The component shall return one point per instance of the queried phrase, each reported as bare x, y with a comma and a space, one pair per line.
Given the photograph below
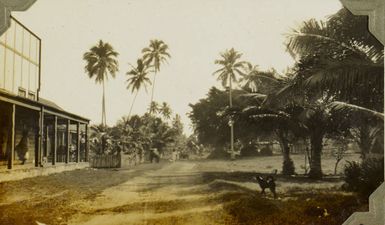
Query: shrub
266, 151
288, 167
352, 175
364, 177
249, 150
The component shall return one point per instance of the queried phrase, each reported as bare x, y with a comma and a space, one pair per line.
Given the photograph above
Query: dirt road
167, 194
183, 193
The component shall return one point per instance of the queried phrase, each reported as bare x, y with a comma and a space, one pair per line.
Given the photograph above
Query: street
184, 192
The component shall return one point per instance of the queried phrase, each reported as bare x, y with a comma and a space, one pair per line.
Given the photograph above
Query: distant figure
22, 148
174, 155
154, 155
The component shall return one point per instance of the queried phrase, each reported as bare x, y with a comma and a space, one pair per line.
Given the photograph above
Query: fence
105, 161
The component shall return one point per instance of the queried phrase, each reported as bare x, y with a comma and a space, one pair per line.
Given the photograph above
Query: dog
267, 182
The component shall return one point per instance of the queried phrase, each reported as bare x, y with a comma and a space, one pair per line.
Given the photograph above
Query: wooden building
34, 131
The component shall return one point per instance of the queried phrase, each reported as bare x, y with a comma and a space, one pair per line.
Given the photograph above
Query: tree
210, 122
137, 79
165, 110
230, 68
282, 123
333, 63
349, 60
155, 55
101, 60
154, 108
258, 81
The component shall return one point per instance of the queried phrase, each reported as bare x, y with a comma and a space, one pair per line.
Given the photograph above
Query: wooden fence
105, 161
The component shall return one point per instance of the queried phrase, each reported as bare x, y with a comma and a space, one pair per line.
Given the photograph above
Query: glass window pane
26, 43
17, 75
11, 34
25, 74
32, 78
33, 49
38, 51
9, 70
37, 78
19, 38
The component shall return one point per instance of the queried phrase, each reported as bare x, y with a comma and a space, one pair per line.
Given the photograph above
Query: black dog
266, 182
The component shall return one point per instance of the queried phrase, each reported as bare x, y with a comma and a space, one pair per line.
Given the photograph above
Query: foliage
364, 177
288, 167
137, 134
230, 67
210, 122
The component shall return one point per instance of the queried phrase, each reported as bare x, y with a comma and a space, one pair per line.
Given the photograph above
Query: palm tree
137, 79
230, 68
100, 60
155, 55
154, 108
282, 123
334, 63
263, 82
348, 63
165, 110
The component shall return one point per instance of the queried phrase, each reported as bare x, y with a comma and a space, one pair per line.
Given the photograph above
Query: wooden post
68, 141
12, 149
46, 142
78, 142
86, 144
54, 141
39, 159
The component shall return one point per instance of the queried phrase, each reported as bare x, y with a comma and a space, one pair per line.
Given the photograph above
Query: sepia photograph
182, 112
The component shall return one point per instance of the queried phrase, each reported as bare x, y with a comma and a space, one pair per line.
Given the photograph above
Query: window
31, 95
22, 92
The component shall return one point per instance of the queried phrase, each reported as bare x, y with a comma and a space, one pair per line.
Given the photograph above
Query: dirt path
167, 194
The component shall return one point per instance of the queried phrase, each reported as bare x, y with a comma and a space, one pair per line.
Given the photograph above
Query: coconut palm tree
333, 63
348, 63
137, 79
154, 108
155, 55
165, 110
101, 60
231, 66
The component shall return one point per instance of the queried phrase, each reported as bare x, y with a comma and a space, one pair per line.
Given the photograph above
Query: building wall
19, 61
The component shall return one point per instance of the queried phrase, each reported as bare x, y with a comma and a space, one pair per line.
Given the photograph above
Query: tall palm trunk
153, 88
231, 124
316, 139
364, 140
132, 104
288, 164
104, 121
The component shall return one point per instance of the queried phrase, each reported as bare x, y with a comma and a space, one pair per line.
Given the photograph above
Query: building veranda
34, 132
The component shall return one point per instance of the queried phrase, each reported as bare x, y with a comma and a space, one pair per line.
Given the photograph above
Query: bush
219, 153
288, 167
249, 150
364, 178
266, 151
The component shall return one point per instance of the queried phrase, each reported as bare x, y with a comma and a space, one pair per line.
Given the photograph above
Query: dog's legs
272, 189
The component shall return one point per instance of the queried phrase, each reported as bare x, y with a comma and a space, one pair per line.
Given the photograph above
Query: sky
195, 31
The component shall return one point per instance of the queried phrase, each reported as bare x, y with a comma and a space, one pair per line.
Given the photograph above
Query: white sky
196, 32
